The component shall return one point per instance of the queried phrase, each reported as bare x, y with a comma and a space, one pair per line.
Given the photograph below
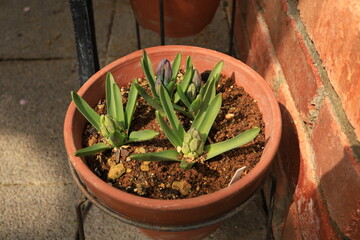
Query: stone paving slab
37, 211
34, 97
44, 29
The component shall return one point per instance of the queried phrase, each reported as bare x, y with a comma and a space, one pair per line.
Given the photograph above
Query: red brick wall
308, 51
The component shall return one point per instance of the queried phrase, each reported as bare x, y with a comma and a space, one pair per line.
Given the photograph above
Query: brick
240, 33
336, 168
337, 20
261, 56
293, 55
253, 41
296, 153
291, 228
313, 216
249, 11
289, 140
294, 142
283, 197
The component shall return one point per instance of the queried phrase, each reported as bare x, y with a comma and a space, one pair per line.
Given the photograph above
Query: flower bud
103, 129
193, 146
196, 80
111, 130
191, 92
164, 72
195, 133
158, 84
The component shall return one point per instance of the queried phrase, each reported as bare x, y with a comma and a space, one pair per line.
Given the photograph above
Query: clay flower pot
184, 211
182, 18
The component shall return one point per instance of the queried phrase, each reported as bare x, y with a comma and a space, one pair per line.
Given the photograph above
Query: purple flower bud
163, 71
197, 80
160, 68
168, 73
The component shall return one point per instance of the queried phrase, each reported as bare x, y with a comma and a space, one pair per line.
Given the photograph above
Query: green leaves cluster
186, 153
187, 95
115, 125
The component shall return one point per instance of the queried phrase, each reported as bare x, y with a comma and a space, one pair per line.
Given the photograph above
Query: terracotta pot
182, 18
186, 211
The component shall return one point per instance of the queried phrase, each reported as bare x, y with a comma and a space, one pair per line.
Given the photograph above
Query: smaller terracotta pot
182, 18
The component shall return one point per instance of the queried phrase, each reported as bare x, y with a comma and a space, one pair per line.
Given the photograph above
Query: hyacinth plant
166, 76
115, 125
190, 145
187, 88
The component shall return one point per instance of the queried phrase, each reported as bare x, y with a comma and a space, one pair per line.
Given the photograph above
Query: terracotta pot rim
143, 202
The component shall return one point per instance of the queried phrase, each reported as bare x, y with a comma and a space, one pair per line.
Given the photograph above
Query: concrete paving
38, 69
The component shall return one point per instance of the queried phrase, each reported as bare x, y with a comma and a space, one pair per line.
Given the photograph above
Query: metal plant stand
83, 20
87, 199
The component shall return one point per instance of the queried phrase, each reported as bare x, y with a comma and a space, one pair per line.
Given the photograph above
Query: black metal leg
162, 30
138, 38
82, 208
232, 26
83, 20
269, 209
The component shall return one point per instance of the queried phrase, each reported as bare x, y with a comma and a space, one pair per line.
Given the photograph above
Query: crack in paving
36, 184
35, 59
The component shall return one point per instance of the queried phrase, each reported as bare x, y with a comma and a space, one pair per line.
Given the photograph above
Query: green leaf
195, 105
144, 135
186, 165
183, 98
218, 148
170, 88
111, 109
185, 83
99, 147
151, 101
170, 113
209, 117
131, 104
213, 89
181, 110
148, 71
167, 155
189, 63
173, 138
204, 105
114, 100
86, 110
216, 79
176, 66
216, 71
208, 88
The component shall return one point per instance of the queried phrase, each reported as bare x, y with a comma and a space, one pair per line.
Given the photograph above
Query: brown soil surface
239, 112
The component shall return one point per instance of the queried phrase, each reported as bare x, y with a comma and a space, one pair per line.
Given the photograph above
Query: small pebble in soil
116, 171
229, 115
144, 167
182, 186
111, 161
140, 150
